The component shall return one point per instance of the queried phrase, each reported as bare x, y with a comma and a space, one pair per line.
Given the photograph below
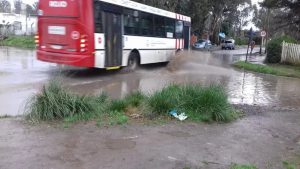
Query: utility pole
250, 40
268, 28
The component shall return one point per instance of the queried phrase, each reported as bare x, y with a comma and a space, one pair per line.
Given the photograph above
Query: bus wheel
133, 63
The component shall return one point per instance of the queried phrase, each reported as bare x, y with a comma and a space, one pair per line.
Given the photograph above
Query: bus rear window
58, 8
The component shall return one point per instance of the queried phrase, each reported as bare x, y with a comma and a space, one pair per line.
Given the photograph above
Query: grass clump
199, 103
238, 166
20, 41
55, 103
288, 165
274, 69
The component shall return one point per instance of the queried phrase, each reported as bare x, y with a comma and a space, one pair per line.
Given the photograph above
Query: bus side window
159, 26
179, 29
169, 28
131, 22
98, 18
147, 24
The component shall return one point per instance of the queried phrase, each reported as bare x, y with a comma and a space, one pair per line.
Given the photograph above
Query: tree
35, 7
208, 15
5, 6
18, 6
283, 15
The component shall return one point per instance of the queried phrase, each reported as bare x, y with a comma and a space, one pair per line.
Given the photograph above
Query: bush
241, 41
274, 48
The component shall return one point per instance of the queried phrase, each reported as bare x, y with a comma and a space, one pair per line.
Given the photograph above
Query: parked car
228, 44
202, 44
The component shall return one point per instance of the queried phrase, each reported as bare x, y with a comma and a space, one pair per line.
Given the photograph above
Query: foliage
5, 6
208, 15
274, 48
20, 41
283, 15
274, 69
241, 41
237, 166
200, 104
18, 6
288, 165
54, 103
32, 9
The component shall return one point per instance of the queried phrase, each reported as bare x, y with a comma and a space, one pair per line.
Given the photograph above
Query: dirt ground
264, 137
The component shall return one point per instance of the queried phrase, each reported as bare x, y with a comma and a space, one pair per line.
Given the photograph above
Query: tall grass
55, 103
199, 103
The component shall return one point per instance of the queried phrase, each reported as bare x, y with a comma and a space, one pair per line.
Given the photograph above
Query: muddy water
21, 75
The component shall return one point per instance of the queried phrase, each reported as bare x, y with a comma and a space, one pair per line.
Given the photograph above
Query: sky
252, 24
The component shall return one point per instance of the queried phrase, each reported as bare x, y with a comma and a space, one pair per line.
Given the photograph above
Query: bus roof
146, 8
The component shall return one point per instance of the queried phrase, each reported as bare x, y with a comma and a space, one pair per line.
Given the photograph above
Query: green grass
274, 69
209, 104
20, 41
288, 165
238, 166
55, 103
199, 103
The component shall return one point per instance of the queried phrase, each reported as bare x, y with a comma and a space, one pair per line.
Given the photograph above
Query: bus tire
133, 63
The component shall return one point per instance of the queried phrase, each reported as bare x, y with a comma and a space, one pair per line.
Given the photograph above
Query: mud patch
177, 134
297, 140
120, 144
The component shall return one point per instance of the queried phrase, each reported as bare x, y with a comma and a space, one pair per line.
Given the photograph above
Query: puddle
26, 76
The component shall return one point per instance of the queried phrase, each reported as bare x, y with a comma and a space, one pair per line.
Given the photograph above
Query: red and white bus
108, 33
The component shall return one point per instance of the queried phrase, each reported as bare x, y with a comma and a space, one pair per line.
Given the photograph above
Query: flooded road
265, 139
21, 75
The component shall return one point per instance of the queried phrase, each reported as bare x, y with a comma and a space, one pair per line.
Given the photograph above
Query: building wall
17, 24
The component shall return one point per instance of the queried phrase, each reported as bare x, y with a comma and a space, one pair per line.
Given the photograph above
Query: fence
290, 53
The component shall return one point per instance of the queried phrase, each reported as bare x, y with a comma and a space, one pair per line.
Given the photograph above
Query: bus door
186, 35
113, 39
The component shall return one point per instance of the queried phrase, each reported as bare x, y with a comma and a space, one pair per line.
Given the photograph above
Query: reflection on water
22, 75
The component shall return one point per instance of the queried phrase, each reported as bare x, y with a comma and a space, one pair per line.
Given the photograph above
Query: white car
202, 44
